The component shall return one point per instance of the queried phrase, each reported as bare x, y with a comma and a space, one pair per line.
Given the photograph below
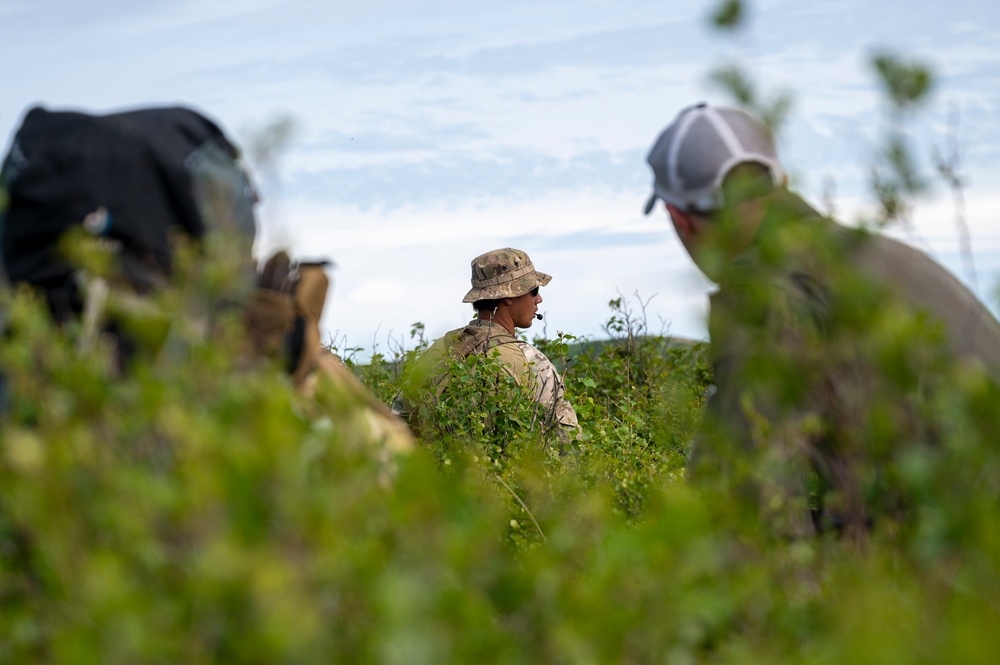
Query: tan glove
282, 319
309, 297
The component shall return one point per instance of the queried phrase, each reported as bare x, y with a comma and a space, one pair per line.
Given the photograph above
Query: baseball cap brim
650, 203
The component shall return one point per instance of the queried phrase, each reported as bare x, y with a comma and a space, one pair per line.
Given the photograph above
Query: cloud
594, 239
414, 136
432, 131
400, 55
8, 9
455, 179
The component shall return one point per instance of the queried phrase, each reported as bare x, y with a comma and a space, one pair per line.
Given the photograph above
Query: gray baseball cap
693, 155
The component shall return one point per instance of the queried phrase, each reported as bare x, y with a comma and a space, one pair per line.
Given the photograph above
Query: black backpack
131, 177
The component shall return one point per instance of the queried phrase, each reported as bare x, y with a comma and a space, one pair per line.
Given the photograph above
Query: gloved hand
282, 319
309, 296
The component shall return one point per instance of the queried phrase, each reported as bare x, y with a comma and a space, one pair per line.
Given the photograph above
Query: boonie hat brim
509, 289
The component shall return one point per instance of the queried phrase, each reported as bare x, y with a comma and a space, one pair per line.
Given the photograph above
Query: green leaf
906, 83
728, 15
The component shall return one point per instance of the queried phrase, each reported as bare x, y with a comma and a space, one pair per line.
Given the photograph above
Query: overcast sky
429, 131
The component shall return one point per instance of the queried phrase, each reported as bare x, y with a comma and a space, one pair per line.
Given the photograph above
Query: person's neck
498, 317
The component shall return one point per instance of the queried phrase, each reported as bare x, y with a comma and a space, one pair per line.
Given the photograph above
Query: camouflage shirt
528, 366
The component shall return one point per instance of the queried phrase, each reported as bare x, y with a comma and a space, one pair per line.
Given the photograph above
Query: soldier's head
712, 167
99, 207
134, 182
505, 287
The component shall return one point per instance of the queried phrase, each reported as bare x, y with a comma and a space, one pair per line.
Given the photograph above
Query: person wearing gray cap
826, 341
505, 295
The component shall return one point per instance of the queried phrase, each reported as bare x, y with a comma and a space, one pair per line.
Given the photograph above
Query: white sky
429, 131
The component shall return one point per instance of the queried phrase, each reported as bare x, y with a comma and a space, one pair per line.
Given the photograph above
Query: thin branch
514, 494
950, 168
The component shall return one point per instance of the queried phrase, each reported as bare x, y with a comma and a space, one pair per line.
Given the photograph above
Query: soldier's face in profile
523, 308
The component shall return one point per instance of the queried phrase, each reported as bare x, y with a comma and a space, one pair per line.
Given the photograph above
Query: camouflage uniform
504, 273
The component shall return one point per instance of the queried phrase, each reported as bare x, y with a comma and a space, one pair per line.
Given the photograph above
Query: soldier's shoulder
512, 358
526, 358
533, 355
513, 348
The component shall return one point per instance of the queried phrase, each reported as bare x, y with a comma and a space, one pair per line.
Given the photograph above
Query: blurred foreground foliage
197, 510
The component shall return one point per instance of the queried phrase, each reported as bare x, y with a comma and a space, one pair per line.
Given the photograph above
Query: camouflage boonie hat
503, 273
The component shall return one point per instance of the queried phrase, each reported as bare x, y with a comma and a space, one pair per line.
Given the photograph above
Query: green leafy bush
199, 510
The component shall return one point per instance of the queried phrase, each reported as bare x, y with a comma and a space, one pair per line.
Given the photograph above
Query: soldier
505, 296
138, 185
827, 342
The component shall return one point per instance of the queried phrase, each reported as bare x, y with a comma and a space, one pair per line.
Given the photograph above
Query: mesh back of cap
750, 133
700, 153
693, 155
